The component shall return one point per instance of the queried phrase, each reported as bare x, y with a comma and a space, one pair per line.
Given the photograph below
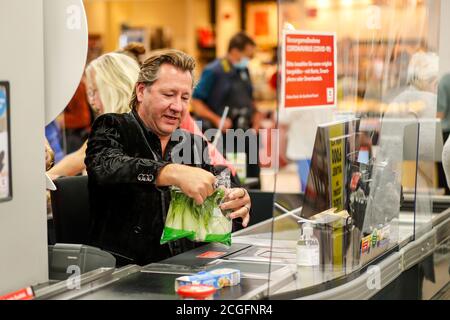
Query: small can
196, 292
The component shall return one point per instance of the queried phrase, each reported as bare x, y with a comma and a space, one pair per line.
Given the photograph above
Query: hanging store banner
308, 70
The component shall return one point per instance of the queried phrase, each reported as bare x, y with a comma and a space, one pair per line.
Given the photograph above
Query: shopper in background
135, 50
77, 119
110, 78
129, 162
420, 98
226, 82
422, 80
416, 104
443, 113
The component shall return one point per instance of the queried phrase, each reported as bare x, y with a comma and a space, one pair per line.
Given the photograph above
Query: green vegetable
200, 223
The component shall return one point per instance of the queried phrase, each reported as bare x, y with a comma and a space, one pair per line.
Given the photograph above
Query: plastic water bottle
308, 247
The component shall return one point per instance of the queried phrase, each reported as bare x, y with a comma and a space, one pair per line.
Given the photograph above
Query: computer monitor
5, 148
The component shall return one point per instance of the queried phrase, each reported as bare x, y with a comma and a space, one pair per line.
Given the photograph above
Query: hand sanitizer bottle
307, 247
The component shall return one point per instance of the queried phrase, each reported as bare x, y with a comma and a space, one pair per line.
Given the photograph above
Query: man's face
249, 51
163, 105
236, 55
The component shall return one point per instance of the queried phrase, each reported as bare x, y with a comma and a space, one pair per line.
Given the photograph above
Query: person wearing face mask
226, 82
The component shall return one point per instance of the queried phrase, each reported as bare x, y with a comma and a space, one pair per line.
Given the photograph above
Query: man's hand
239, 201
196, 183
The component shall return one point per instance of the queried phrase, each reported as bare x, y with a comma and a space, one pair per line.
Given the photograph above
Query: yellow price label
337, 156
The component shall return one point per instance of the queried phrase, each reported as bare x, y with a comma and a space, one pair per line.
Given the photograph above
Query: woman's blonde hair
115, 77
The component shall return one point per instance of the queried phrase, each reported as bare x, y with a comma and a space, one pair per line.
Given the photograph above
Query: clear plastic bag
199, 223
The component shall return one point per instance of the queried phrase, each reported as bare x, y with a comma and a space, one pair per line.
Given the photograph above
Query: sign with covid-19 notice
308, 69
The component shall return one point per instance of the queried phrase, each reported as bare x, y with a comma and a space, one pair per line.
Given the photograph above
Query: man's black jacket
128, 211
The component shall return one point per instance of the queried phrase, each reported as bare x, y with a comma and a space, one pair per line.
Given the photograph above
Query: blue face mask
242, 64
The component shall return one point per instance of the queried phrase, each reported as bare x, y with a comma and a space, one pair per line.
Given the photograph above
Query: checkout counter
414, 268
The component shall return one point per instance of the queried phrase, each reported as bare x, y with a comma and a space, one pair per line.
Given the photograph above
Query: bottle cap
307, 229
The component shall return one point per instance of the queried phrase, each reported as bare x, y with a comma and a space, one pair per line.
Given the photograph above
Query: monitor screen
5, 154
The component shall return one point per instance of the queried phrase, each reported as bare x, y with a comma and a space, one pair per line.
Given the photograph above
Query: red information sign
22, 294
309, 69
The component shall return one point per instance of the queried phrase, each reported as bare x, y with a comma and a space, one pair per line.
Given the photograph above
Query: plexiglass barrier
371, 161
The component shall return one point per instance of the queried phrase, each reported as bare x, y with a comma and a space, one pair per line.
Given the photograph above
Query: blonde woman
110, 80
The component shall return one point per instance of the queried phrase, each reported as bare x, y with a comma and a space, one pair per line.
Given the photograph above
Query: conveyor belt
134, 282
